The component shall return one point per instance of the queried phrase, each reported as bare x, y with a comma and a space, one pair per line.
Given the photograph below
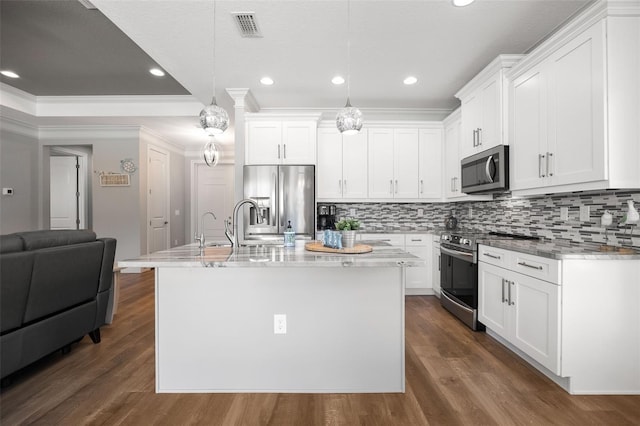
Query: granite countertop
401, 231
270, 255
561, 249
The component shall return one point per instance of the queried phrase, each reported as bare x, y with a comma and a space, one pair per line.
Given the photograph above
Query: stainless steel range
459, 272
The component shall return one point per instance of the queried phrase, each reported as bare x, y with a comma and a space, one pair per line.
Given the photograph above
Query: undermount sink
218, 245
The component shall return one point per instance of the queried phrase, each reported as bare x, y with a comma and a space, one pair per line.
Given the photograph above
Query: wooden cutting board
356, 249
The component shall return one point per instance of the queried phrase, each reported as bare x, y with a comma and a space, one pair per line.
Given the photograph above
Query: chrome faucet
200, 238
234, 236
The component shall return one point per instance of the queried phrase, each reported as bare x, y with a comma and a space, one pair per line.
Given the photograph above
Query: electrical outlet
470, 212
564, 213
352, 212
177, 212
279, 324
420, 212
7, 191
585, 214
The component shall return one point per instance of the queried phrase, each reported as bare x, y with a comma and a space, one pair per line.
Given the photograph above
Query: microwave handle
487, 168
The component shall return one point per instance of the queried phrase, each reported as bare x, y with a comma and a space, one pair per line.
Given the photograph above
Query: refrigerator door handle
281, 200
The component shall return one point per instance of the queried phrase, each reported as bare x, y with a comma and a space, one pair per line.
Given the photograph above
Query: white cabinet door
263, 142
298, 142
528, 127
419, 277
535, 306
354, 165
471, 122
452, 184
406, 159
490, 133
380, 163
329, 170
577, 110
493, 308
430, 167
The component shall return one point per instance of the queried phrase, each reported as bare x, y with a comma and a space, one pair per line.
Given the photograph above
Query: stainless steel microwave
486, 171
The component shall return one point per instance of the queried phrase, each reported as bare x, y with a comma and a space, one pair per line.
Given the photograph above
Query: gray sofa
55, 287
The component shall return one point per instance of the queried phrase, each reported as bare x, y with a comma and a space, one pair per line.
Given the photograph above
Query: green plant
347, 224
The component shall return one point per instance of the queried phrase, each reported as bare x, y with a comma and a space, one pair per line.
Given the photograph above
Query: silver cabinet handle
455, 184
285, 151
340, 186
474, 137
549, 165
491, 256
344, 185
540, 158
509, 284
438, 262
503, 299
396, 186
487, 168
479, 136
278, 151
539, 268
421, 186
390, 186
415, 240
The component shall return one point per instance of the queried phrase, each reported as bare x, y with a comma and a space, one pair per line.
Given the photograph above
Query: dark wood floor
454, 376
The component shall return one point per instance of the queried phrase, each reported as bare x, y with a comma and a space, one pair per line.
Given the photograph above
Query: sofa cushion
15, 277
11, 243
35, 240
63, 277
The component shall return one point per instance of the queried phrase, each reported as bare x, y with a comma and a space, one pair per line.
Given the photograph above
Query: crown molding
454, 116
117, 106
396, 124
18, 127
501, 62
18, 99
243, 98
158, 140
300, 115
395, 114
87, 132
580, 23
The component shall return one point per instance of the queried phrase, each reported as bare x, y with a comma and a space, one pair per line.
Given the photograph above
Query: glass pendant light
349, 119
211, 153
214, 119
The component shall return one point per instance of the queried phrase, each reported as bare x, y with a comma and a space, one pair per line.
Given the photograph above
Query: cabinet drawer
418, 239
493, 256
536, 266
396, 240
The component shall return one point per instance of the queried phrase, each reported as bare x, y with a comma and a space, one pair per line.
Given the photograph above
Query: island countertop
269, 255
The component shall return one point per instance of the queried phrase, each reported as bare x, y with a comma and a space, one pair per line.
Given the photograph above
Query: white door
158, 201
298, 142
264, 142
214, 188
64, 193
381, 163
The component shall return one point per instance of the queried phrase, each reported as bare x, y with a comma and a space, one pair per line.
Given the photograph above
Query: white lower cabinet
418, 278
523, 310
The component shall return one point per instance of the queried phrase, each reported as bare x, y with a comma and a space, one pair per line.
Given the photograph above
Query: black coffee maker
326, 216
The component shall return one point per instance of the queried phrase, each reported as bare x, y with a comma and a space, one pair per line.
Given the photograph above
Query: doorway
158, 200
68, 188
214, 192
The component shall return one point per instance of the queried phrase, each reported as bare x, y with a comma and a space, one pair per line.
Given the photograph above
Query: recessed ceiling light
461, 3
157, 72
337, 80
410, 80
9, 74
267, 81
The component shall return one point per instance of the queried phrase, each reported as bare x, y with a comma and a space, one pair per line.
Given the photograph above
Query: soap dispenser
289, 236
632, 214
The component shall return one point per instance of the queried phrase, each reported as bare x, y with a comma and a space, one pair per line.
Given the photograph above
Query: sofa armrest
108, 257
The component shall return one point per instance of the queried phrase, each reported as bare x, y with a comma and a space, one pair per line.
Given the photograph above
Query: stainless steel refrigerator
284, 194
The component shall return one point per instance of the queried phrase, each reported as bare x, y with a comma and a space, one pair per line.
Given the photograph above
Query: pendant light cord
213, 99
348, 50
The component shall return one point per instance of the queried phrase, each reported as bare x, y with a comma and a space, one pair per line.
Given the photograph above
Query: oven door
459, 276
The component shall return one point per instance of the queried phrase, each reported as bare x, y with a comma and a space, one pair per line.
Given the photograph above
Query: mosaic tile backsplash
539, 216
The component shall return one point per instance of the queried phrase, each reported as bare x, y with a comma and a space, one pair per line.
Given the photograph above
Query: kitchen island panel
215, 329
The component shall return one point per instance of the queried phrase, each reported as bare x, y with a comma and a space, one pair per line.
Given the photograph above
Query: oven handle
458, 254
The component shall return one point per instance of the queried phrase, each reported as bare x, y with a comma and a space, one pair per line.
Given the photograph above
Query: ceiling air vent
247, 24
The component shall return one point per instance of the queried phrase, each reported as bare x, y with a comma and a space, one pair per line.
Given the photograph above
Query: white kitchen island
215, 327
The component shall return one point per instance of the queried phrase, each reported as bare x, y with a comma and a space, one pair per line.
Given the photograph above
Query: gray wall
19, 169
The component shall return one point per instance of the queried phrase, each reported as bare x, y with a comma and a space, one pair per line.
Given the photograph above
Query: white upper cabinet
393, 163
558, 116
574, 108
484, 109
342, 165
430, 167
280, 141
